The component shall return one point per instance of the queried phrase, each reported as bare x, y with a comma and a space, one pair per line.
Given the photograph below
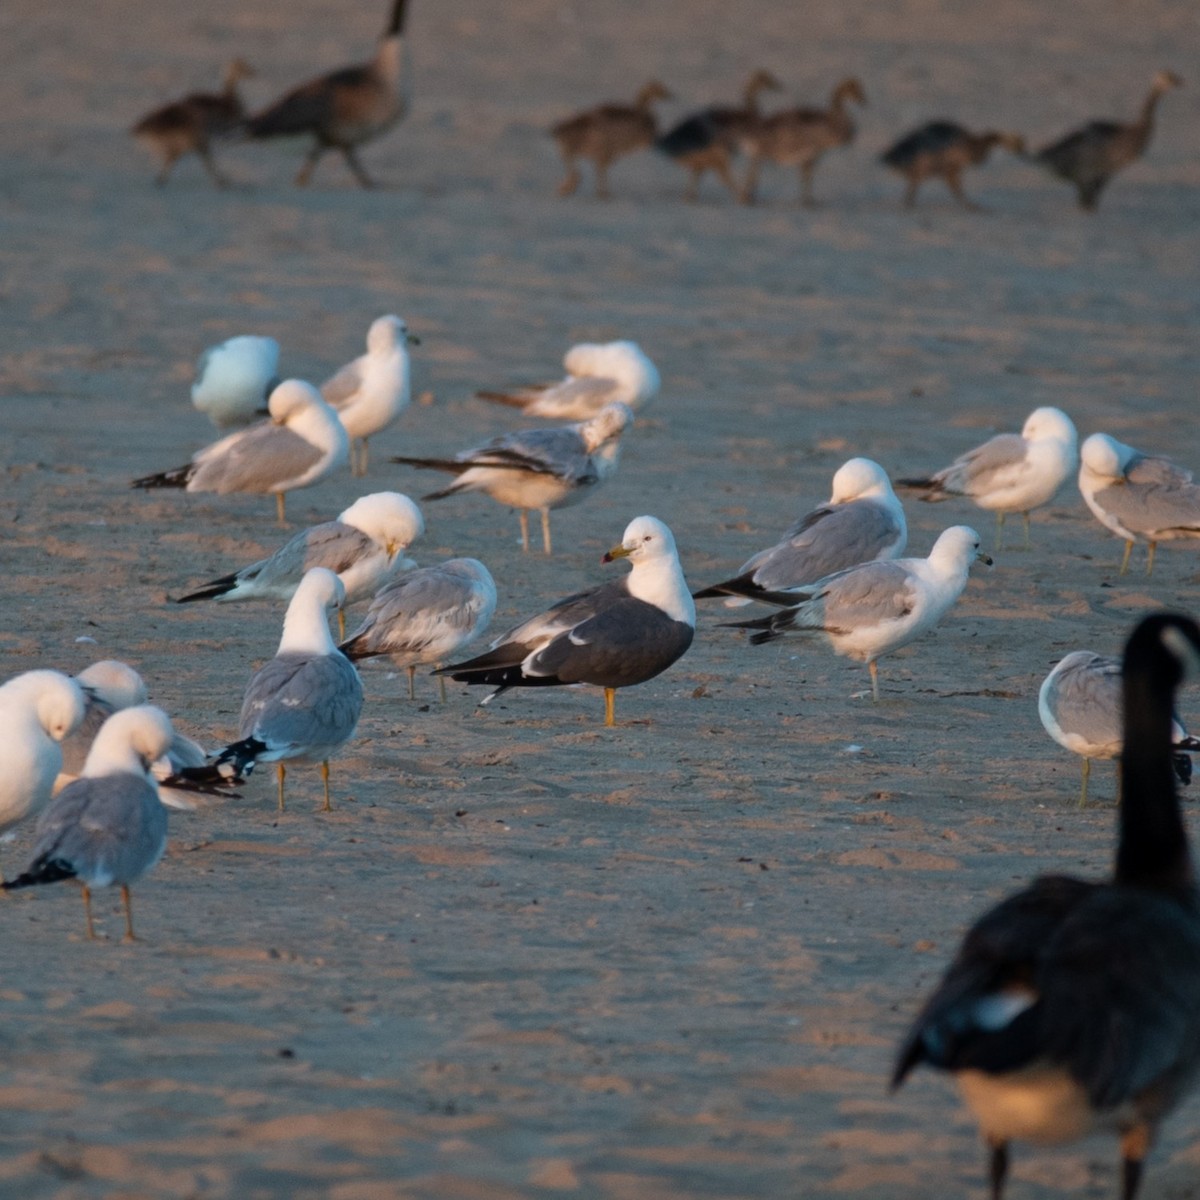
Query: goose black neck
1152, 850
396, 24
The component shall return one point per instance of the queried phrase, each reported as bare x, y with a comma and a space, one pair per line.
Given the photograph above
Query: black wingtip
177, 477
210, 591
45, 870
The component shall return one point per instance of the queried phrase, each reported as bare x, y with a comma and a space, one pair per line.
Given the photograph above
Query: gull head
115, 683
622, 361
1105, 456
130, 740
291, 398
645, 539
609, 423
1049, 424
319, 587
959, 546
388, 332
390, 518
56, 700
858, 477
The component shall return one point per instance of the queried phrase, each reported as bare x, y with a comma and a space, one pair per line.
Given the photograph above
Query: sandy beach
528, 956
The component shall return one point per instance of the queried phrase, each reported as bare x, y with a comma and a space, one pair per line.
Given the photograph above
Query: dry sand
528, 956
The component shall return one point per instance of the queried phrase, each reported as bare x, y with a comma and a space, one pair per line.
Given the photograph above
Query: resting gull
1079, 703
426, 616
614, 636
870, 610
1140, 497
305, 703
109, 826
1012, 472
537, 468
301, 443
235, 378
370, 392
862, 522
597, 374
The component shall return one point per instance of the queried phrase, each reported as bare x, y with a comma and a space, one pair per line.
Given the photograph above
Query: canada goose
706, 140
605, 133
942, 148
346, 108
1089, 157
797, 137
1071, 1006
187, 126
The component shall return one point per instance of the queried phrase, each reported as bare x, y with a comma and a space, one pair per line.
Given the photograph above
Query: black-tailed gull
597, 374
109, 826
301, 443
234, 380
426, 616
870, 610
1140, 497
1012, 472
862, 522
537, 468
371, 391
1070, 1007
613, 636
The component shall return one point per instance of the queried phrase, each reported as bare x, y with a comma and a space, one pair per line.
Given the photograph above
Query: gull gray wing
75, 746
864, 595
419, 611
1153, 508
575, 398
988, 466
261, 459
1084, 697
298, 702
331, 544
343, 384
564, 615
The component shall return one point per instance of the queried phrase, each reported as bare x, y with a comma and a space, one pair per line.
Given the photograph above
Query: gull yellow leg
1087, 770
524, 516
412, 682
610, 706
364, 457
546, 530
1125, 558
442, 685
1000, 531
325, 780
871, 666
281, 508
87, 912
281, 772
130, 936
341, 624
1150, 558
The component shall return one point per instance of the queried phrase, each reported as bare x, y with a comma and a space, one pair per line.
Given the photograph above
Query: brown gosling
707, 140
345, 108
605, 133
942, 149
798, 137
188, 125
1089, 157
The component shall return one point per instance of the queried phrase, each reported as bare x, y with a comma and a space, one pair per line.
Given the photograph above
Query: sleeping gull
37, 711
234, 379
870, 610
862, 522
370, 392
1079, 703
1012, 472
363, 547
537, 468
301, 443
109, 826
613, 636
305, 703
1140, 497
597, 374
426, 616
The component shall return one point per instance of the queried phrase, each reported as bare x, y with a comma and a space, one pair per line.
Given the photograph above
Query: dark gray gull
426, 616
1070, 1007
234, 380
537, 468
1079, 703
109, 826
613, 636
301, 443
1140, 497
862, 522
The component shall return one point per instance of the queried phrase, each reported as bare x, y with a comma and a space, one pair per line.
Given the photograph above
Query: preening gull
1140, 497
234, 380
614, 636
370, 392
537, 468
1012, 472
38, 709
1079, 703
364, 547
862, 522
305, 703
426, 616
597, 374
870, 610
109, 826
301, 443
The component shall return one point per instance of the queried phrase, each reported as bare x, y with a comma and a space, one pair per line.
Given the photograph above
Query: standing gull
426, 616
301, 444
1012, 472
38, 710
109, 826
1070, 1007
370, 392
537, 468
305, 703
234, 380
870, 610
1079, 703
597, 374
1140, 497
862, 522
614, 636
